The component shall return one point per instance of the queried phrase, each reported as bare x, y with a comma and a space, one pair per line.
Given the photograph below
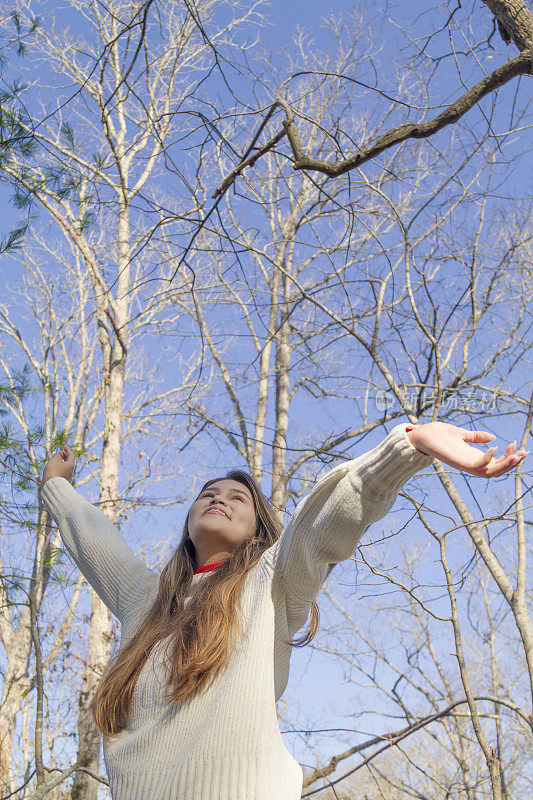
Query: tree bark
516, 19
282, 399
84, 786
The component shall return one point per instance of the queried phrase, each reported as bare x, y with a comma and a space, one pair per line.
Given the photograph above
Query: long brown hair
203, 632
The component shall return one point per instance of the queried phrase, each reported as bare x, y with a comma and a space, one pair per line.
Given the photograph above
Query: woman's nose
218, 498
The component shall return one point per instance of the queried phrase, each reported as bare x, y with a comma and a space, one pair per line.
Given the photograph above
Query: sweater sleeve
327, 525
97, 548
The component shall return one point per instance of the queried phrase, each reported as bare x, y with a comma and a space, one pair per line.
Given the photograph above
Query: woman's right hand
61, 465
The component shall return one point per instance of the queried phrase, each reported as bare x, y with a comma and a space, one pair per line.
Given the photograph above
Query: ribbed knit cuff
388, 466
58, 494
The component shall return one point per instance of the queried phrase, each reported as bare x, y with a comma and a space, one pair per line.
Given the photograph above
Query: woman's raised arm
327, 525
94, 543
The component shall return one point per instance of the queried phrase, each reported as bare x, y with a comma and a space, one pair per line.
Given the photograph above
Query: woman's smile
216, 511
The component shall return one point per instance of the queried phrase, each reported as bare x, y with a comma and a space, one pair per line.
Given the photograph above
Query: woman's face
220, 518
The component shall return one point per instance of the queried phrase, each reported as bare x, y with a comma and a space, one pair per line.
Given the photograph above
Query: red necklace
207, 567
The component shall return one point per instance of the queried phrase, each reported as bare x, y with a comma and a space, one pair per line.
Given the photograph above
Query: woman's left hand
449, 444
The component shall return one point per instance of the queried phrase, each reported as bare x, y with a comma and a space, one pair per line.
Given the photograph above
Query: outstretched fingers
490, 465
506, 462
457, 447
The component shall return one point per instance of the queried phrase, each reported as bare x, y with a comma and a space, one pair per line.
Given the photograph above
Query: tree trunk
84, 786
16, 685
18, 646
282, 399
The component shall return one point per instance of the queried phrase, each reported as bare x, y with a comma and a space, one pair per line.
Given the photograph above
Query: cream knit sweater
226, 744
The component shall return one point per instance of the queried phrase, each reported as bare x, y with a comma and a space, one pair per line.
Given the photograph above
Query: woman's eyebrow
241, 491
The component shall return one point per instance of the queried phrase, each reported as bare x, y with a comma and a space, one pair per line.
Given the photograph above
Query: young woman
187, 704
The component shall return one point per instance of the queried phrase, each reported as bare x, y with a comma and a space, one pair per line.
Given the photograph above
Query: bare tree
95, 177
60, 349
327, 310
512, 19
465, 381
286, 237
420, 315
